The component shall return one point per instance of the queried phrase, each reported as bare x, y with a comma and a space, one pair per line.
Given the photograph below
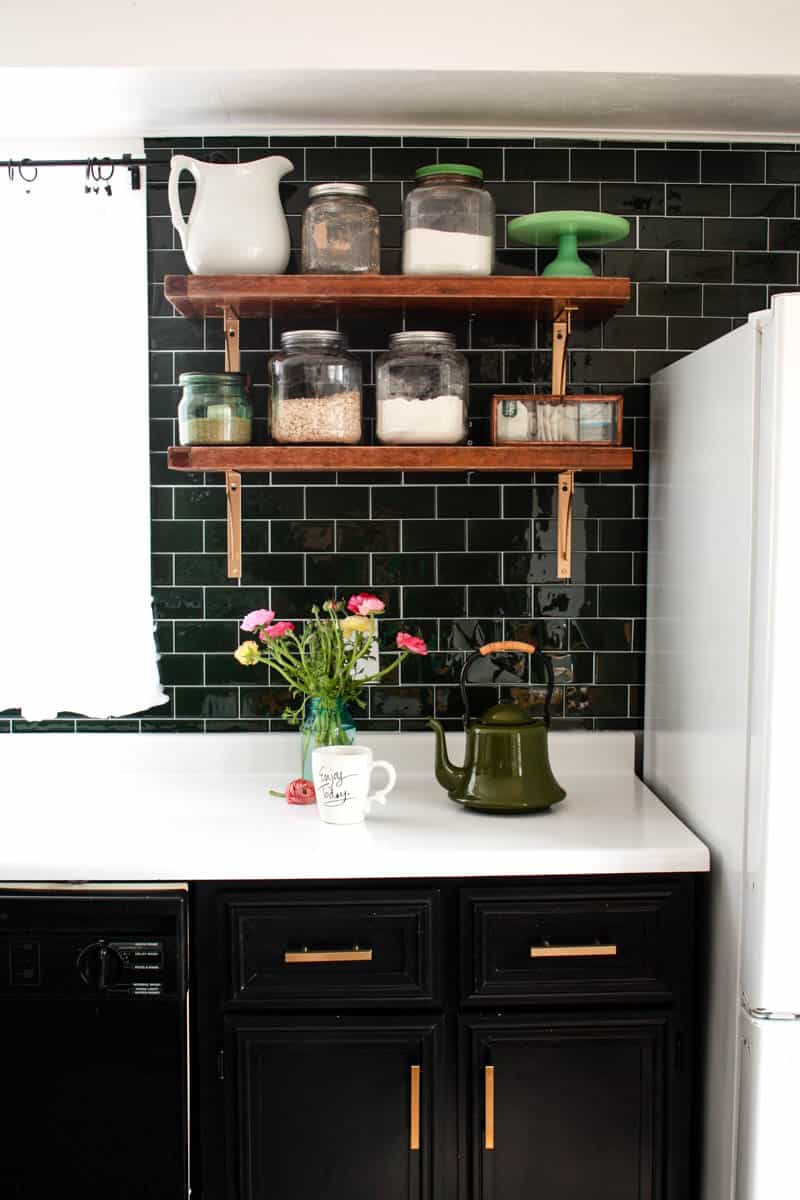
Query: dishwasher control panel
143, 966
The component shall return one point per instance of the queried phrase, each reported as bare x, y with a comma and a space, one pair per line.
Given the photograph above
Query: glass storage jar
422, 385
341, 231
214, 410
448, 223
315, 389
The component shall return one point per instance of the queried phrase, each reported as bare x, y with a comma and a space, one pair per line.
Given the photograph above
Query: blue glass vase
324, 724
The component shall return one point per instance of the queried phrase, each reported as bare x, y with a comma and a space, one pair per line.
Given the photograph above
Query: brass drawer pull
488, 1108
356, 954
413, 1140
595, 950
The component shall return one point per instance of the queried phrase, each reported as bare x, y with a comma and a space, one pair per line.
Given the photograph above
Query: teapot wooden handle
494, 647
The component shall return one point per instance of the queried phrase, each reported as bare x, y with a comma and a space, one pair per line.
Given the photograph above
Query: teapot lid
506, 714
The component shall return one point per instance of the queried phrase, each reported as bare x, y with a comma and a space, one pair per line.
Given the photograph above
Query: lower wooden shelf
400, 458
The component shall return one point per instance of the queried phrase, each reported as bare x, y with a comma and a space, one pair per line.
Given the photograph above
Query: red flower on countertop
413, 645
365, 605
301, 791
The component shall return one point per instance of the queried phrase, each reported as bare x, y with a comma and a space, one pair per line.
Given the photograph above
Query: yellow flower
247, 654
351, 625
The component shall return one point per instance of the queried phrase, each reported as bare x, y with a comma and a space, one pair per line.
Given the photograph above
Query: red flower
301, 791
413, 645
279, 629
365, 605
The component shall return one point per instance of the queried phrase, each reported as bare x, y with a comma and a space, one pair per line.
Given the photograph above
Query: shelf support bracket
230, 323
562, 327
566, 492
233, 497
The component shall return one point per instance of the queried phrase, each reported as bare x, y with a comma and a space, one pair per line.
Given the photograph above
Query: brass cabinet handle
413, 1140
488, 1108
595, 950
356, 954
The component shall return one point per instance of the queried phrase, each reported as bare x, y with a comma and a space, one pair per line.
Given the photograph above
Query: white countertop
125, 807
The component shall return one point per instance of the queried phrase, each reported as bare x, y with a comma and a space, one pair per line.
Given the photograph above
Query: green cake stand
568, 231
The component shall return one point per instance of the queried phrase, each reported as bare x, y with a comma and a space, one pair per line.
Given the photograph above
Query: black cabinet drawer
302, 949
601, 943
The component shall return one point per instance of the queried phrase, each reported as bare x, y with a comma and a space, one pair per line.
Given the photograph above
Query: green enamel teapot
506, 767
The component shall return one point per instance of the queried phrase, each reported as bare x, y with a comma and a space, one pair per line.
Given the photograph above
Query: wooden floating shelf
595, 297
400, 458
235, 297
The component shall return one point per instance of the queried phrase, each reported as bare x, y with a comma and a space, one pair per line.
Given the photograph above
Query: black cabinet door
564, 1108
333, 1108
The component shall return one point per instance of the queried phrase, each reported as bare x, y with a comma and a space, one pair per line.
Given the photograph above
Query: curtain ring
97, 167
24, 162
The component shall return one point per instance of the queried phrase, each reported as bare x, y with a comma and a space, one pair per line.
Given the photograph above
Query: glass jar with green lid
214, 410
448, 222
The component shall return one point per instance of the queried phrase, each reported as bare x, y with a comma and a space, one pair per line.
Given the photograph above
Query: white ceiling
51, 102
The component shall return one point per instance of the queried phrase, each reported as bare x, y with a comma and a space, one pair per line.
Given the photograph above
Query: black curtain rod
132, 164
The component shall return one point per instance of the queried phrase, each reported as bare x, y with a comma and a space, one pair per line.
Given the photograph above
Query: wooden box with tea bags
569, 420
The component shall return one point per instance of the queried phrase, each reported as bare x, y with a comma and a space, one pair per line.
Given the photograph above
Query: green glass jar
214, 410
324, 724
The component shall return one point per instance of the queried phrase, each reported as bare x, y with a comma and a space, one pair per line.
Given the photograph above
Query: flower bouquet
319, 664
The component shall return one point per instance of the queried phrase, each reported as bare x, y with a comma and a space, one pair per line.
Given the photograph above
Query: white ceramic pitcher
236, 225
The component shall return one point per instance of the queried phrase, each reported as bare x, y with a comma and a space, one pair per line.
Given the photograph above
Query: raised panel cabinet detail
576, 1107
536, 946
334, 1107
305, 951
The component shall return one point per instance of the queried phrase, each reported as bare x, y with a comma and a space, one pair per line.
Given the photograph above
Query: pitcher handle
178, 164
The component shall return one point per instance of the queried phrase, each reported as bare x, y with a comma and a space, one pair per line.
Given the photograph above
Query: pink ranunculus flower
259, 616
365, 605
301, 791
413, 645
279, 629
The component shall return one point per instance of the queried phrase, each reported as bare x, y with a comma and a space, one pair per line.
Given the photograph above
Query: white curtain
76, 624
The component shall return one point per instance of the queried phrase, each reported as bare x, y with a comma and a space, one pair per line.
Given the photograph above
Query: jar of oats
315, 389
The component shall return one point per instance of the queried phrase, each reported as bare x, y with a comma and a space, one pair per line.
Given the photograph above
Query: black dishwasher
93, 1045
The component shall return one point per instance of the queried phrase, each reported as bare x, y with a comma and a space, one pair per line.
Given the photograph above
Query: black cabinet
434, 1040
336, 1106
565, 1107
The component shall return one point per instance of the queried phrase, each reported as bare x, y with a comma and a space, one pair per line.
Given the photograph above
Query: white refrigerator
722, 718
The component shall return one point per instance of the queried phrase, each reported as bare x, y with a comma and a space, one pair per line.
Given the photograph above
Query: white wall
710, 37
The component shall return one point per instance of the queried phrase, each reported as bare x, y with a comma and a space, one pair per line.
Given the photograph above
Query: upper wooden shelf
247, 296
400, 458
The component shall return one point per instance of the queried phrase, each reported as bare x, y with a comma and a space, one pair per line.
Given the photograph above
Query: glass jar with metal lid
341, 231
315, 389
214, 410
448, 223
422, 383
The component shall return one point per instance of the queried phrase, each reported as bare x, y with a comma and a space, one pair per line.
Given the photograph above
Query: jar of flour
448, 223
421, 390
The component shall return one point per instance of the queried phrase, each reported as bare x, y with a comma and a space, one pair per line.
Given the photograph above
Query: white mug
341, 781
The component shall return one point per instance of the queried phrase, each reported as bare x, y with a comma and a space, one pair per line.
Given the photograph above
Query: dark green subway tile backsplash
459, 559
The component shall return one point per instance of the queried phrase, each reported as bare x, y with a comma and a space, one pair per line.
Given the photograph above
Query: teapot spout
448, 776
